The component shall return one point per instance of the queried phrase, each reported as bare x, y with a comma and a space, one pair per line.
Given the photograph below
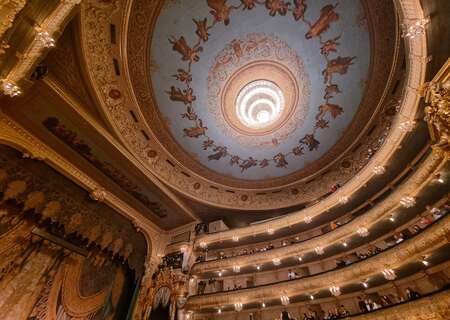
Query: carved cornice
34, 52
12, 134
383, 210
426, 242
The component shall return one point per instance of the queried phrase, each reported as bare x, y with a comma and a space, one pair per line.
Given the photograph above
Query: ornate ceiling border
99, 53
426, 242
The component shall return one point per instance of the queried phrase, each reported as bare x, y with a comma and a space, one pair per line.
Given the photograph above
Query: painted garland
222, 13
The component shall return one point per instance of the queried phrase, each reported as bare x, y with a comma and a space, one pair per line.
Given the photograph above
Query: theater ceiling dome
241, 96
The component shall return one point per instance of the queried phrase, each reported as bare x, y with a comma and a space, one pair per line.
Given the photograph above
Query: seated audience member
362, 305
340, 263
291, 275
411, 294
385, 300
285, 315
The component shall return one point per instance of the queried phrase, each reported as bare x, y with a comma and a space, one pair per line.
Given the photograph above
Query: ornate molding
426, 242
8, 12
52, 25
437, 111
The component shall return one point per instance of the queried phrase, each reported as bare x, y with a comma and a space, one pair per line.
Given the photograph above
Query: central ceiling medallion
259, 98
259, 104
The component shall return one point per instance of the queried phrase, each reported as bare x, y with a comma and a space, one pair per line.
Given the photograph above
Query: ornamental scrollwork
437, 112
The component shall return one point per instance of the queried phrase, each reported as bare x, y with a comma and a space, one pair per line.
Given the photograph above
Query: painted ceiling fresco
316, 52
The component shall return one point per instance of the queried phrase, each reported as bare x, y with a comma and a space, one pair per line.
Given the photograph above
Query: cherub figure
280, 160
220, 152
310, 141
234, 160
299, 10
333, 109
330, 90
202, 29
329, 46
190, 114
277, 6
220, 11
264, 163
185, 96
188, 54
183, 76
248, 4
195, 132
246, 164
339, 66
327, 15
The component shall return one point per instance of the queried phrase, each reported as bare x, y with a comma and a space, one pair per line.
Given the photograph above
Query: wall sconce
319, 250
408, 201
10, 89
343, 200
236, 269
335, 291
379, 170
284, 300
389, 274
238, 306
362, 232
